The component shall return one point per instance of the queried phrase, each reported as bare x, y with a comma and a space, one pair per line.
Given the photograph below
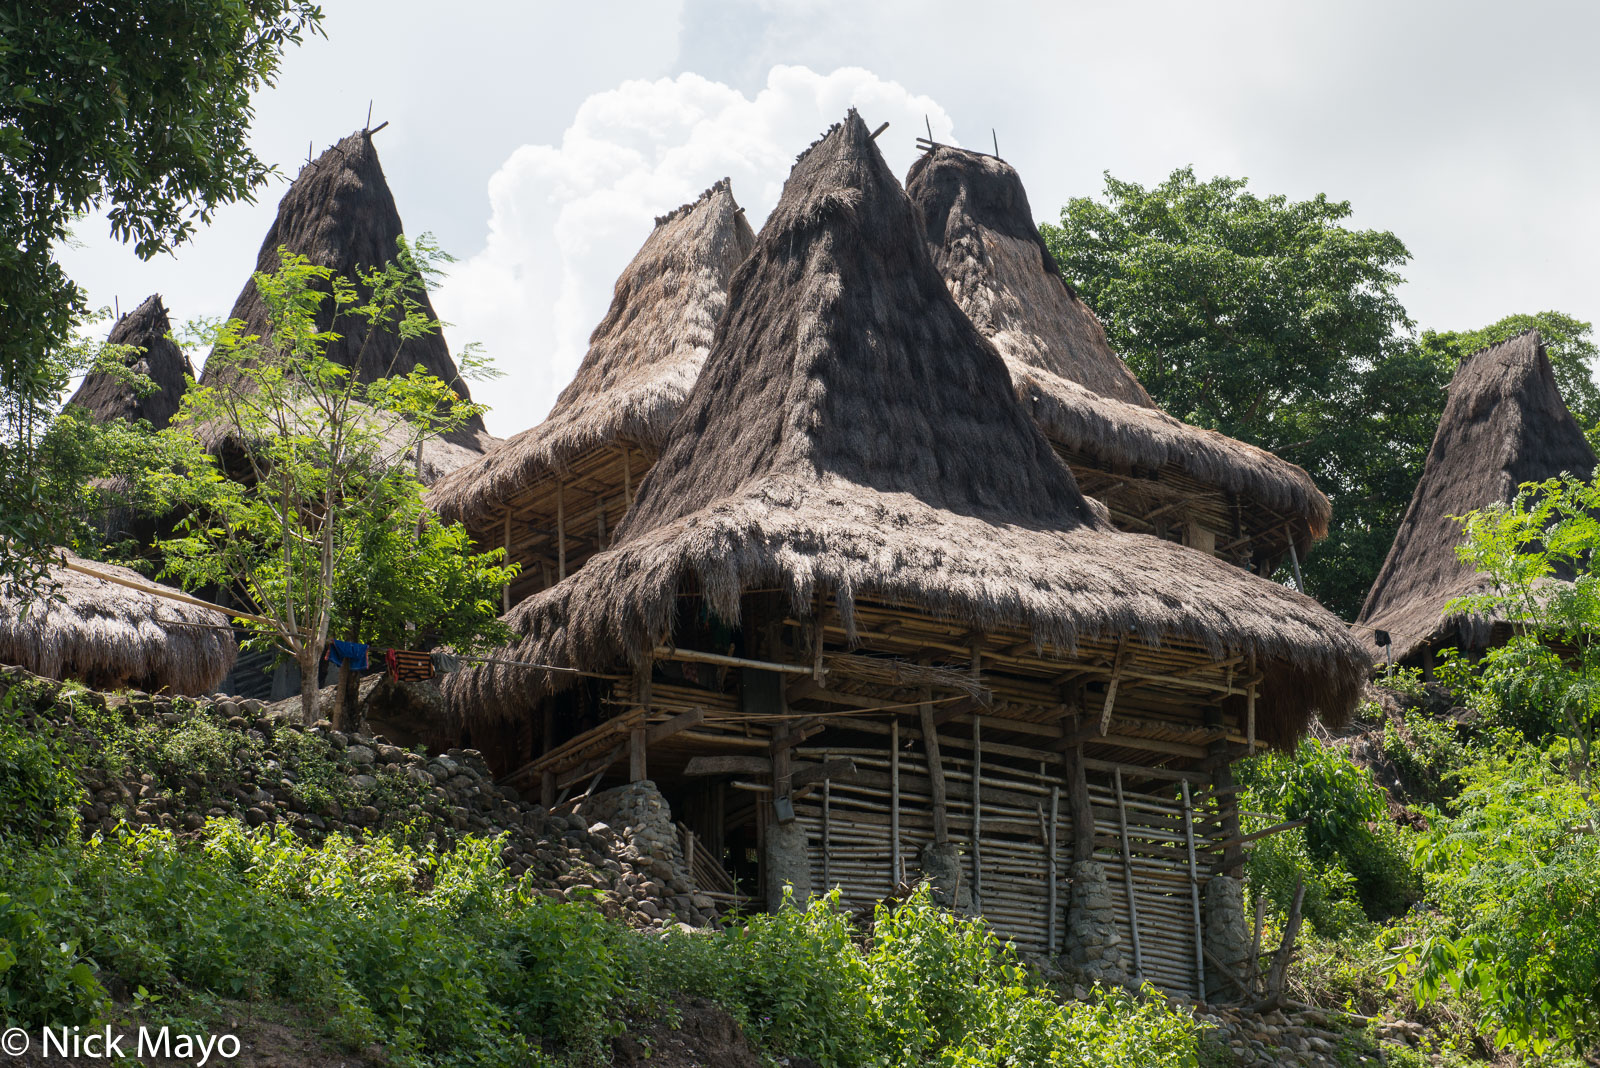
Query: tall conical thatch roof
851, 431
339, 213
981, 233
109, 636
1504, 424
643, 358
157, 358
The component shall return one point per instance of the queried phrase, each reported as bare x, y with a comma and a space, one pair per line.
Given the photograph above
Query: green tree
142, 110
324, 523
1270, 321
1568, 342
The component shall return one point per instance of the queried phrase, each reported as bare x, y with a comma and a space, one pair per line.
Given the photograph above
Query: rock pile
174, 762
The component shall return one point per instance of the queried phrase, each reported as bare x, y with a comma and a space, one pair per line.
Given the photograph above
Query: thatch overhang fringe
110, 637
339, 213
643, 359
853, 433
975, 214
158, 358
1504, 424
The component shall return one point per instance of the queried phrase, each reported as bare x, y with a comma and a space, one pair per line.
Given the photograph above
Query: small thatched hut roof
339, 213
852, 432
980, 230
110, 636
643, 358
1504, 424
156, 357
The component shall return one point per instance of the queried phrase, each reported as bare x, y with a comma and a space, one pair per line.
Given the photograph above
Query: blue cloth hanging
352, 653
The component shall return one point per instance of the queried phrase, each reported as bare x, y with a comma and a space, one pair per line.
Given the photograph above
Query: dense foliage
139, 109
444, 958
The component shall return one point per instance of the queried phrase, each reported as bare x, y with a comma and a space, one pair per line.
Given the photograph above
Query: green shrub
39, 792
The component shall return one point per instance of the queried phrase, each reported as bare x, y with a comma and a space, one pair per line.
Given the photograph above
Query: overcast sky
537, 141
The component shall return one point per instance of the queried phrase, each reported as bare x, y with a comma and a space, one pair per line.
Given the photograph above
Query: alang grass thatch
643, 359
339, 213
157, 357
1504, 424
980, 230
852, 432
110, 637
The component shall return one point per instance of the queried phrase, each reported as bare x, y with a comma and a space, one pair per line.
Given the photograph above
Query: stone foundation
788, 863
640, 816
1093, 948
942, 868
1228, 935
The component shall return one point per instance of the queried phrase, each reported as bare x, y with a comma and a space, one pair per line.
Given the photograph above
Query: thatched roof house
154, 356
111, 636
1504, 424
853, 433
1156, 474
860, 612
552, 493
339, 213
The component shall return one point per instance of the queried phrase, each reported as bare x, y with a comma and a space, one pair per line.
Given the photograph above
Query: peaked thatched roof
339, 213
852, 431
109, 636
981, 233
1504, 424
643, 358
157, 358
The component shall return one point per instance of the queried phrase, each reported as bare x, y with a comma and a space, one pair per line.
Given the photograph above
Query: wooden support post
561, 531
547, 789
627, 477
977, 811
1194, 896
600, 520
636, 749
1127, 883
896, 873
930, 742
505, 539
1050, 872
1080, 808
827, 834
1294, 560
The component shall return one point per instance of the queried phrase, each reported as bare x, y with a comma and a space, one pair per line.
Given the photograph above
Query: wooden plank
1111, 688
681, 722
728, 764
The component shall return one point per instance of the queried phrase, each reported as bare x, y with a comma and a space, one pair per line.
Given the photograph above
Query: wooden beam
839, 768
1111, 689
681, 722
698, 657
636, 752
977, 811
1081, 810
589, 767
561, 532
731, 764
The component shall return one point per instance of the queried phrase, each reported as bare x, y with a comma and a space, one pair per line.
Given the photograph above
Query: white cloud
566, 219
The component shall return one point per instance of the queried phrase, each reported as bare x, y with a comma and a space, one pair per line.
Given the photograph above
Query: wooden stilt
600, 520
1194, 896
636, 751
1250, 706
896, 871
627, 477
1081, 810
930, 742
1127, 883
977, 811
547, 789
1050, 872
561, 531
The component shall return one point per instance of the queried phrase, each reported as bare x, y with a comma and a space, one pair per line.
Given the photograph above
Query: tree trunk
308, 685
341, 700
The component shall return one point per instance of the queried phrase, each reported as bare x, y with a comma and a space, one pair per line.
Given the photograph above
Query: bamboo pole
561, 531
977, 811
896, 875
827, 836
930, 744
1050, 873
1127, 880
1194, 899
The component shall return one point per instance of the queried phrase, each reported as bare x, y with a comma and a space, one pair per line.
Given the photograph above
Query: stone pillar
941, 867
1093, 949
788, 863
1228, 935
